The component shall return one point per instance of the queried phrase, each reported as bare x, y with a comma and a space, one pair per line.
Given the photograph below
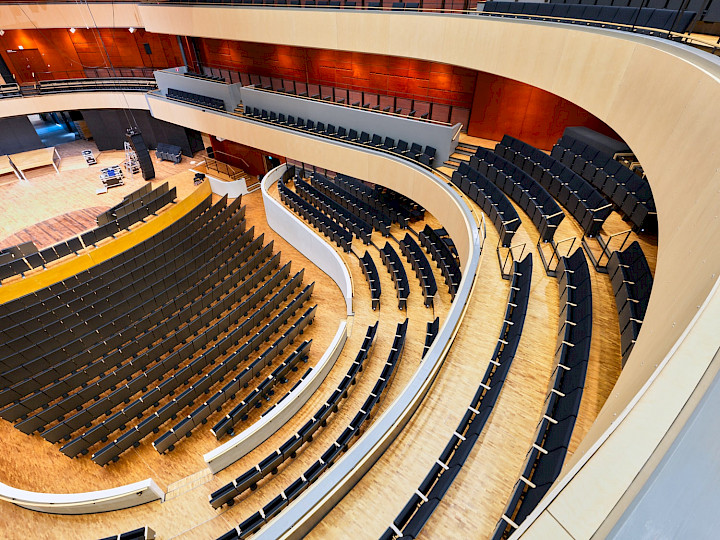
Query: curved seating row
436, 242
143, 533
360, 209
132, 215
585, 203
289, 449
180, 351
360, 228
430, 334
423, 271
529, 194
142, 353
123, 301
134, 201
636, 19
400, 209
341, 236
255, 522
630, 193
632, 283
373, 278
412, 151
491, 199
395, 268
545, 458
411, 519
183, 376
199, 416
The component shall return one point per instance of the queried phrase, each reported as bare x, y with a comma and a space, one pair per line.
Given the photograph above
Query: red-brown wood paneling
401, 77
76, 55
239, 155
504, 106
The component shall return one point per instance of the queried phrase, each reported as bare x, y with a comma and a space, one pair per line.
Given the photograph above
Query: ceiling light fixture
131, 29
72, 30
2, 32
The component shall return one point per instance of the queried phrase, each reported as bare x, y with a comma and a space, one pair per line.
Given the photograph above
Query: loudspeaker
143, 155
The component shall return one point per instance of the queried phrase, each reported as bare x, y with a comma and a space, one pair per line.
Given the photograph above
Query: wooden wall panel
401, 77
239, 155
69, 55
504, 106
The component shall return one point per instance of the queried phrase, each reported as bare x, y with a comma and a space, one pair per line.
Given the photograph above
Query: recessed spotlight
20, 47
2, 32
131, 29
72, 30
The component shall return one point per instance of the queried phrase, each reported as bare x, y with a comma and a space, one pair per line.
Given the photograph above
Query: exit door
28, 65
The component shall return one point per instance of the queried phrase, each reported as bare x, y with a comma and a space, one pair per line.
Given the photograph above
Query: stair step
451, 165
464, 152
466, 146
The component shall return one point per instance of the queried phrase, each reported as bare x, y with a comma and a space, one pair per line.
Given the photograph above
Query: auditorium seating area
169, 152
143, 533
421, 505
204, 76
412, 151
545, 459
632, 283
289, 450
353, 431
136, 206
646, 20
371, 275
438, 244
395, 268
629, 192
522, 188
421, 266
579, 197
196, 99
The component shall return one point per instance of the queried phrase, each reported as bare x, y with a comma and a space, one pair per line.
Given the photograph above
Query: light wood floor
473, 504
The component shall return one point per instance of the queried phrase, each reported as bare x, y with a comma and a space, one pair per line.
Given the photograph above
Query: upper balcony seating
289, 450
545, 459
491, 199
411, 519
439, 245
196, 99
630, 193
368, 410
413, 151
644, 20
632, 283
528, 193
195, 75
579, 197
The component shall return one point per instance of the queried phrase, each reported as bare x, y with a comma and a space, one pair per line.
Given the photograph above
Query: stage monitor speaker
143, 154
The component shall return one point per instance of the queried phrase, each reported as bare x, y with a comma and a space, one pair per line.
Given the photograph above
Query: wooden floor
475, 501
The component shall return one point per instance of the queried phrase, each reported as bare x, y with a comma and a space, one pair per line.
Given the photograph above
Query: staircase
463, 151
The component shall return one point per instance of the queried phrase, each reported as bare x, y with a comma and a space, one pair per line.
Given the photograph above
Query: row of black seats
255, 522
196, 99
396, 269
214, 404
184, 377
532, 197
77, 325
431, 333
585, 203
384, 200
420, 264
373, 278
547, 454
344, 217
141, 352
135, 200
289, 449
326, 225
196, 75
199, 331
362, 210
143, 533
629, 192
632, 283
411, 519
413, 151
491, 199
131, 197
58, 295
442, 250
644, 20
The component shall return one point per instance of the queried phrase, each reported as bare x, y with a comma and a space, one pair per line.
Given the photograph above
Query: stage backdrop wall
17, 134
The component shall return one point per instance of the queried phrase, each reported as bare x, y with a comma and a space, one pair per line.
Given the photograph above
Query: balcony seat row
562, 404
438, 244
420, 264
395, 268
431, 333
412, 151
412, 518
373, 278
353, 431
196, 99
289, 450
